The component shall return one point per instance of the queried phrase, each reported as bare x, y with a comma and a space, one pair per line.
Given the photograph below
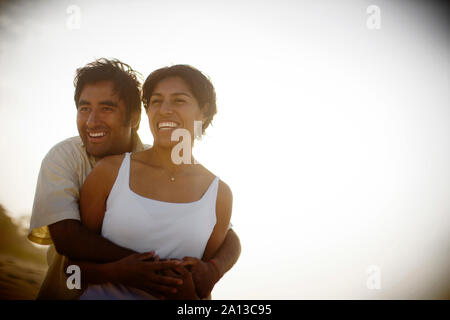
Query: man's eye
107, 109
83, 109
179, 101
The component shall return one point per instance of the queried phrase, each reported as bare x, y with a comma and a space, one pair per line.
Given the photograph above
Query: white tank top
172, 230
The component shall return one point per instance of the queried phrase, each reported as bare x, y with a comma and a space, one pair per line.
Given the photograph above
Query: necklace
171, 175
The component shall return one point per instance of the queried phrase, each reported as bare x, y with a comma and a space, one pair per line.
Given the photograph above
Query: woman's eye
155, 102
179, 101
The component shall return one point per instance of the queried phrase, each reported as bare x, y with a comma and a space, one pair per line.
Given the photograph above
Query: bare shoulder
224, 202
110, 161
224, 191
105, 171
109, 165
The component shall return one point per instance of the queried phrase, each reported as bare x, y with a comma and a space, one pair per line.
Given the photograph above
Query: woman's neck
163, 157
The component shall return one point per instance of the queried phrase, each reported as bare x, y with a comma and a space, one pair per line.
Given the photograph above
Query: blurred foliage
14, 242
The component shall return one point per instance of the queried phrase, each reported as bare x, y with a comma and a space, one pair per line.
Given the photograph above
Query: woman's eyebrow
173, 94
181, 93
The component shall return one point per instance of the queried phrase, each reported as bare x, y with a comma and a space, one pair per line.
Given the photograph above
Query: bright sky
333, 137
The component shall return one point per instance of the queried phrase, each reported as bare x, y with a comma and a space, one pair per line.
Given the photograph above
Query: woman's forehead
173, 86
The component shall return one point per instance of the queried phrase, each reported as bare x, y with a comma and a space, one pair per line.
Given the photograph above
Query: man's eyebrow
109, 103
83, 102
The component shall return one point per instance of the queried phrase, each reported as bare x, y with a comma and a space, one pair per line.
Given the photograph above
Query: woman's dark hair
200, 85
125, 79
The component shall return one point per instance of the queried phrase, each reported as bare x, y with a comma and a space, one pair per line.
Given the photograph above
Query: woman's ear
202, 113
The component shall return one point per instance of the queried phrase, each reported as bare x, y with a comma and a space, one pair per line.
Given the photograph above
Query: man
107, 98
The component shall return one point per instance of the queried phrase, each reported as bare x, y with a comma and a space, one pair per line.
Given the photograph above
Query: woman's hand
143, 271
204, 274
187, 290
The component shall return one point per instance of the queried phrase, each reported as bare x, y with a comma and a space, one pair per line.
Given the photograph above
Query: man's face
101, 120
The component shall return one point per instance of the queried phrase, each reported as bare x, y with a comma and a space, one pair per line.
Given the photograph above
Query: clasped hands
186, 279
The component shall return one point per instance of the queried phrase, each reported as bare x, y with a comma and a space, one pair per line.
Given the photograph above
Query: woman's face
172, 106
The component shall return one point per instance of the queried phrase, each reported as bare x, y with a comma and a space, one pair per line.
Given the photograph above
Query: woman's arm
224, 205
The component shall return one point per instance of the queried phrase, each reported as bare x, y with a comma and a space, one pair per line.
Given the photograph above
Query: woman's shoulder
110, 161
224, 193
224, 190
109, 166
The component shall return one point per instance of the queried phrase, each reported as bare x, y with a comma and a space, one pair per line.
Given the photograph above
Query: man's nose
93, 119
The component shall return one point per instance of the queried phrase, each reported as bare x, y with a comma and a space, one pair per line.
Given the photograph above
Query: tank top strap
124, 172
211, 193
123, 177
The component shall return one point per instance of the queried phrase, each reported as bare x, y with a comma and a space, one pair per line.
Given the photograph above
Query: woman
145, 201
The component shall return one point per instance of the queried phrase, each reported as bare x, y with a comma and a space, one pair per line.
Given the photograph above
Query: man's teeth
97, 134
162, 125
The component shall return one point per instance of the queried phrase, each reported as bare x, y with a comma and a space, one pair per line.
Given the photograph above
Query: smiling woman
194, 87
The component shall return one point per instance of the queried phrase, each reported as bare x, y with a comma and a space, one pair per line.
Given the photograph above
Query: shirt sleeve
57, 194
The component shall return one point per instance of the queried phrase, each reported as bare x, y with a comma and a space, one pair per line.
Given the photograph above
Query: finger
188, 263
181, 271
160, 265
145, 255
191, 259
170, 273
170, 279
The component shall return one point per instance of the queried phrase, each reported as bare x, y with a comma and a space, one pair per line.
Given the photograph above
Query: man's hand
187, 290
204, 274
143, 271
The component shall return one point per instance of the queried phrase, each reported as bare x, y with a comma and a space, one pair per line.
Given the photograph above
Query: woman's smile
167, 125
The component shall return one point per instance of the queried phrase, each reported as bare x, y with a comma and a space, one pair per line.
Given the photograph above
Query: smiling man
107, 97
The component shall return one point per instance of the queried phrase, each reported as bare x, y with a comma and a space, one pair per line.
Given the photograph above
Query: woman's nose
166, 108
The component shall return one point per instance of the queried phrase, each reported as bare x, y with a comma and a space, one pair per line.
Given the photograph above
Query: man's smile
97, 136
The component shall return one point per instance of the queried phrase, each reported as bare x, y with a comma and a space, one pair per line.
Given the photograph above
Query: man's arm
228, 253
207, 273
77, 242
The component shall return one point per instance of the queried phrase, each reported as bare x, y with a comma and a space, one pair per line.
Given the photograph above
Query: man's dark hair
125, 79
200, 85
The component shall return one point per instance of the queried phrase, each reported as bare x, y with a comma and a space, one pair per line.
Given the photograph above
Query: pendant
172, 179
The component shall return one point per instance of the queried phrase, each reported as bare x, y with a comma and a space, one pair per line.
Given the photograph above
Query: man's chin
96, 151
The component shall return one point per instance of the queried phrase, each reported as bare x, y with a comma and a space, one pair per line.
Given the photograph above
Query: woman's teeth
167, 125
